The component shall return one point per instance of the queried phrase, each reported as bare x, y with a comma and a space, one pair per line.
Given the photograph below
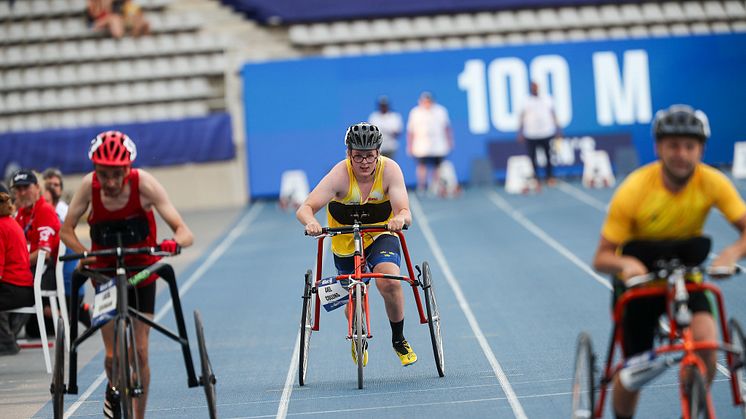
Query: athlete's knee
388, 286
108, 362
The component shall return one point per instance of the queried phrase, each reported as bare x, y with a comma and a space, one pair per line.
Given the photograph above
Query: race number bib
332, 294
104, 303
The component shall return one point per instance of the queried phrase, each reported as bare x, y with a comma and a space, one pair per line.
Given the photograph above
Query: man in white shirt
539, 126
390, 124
429, 137
53, 192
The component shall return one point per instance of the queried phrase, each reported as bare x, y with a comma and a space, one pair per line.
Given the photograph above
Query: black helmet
681, 120
363, 136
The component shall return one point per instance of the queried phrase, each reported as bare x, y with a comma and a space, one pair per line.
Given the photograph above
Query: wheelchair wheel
306, 326
359, 334
696, 394
739, 361
433, 318
58, 372
582, 382
123, 370
207, 380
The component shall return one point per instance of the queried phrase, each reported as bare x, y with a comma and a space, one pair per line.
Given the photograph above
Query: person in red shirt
117, 194
16, 280
41, 226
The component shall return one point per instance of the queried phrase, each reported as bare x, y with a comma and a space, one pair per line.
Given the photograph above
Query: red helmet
112, 148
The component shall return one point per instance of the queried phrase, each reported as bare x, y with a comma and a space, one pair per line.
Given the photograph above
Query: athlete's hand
313, 228
632, 267
396, 224
725, 264
170, 246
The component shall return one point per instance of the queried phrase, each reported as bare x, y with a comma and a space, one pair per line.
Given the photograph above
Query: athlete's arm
733, 253
78, 206
397, 192
155, 194
324, 192
608, 261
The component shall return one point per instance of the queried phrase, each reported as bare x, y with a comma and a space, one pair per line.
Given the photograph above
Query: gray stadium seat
714, 10
504, 21
673, 12
693, 11
735, 9
652, 13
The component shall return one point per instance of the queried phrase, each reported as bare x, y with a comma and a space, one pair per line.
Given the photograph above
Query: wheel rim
58, 380
359, 340
305, 329
208, 378
737, 339
433, 314
582, 387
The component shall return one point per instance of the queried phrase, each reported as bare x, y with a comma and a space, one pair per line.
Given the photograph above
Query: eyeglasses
369, 158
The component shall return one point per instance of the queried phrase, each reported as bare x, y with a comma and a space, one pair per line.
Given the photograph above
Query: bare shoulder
391, 170
338, 178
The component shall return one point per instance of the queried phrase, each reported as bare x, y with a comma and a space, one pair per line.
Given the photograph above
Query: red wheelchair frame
360, 277
687, 345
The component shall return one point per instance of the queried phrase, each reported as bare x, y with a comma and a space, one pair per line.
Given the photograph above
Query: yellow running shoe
405, 353
365, 352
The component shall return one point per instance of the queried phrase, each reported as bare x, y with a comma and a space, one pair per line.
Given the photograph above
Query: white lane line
595, 203
581, 196
424, 224
287, 390
501, 203
282, 408
196, 276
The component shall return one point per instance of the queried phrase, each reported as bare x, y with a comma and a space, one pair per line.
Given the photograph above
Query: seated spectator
134, 20
16, 280
101, 17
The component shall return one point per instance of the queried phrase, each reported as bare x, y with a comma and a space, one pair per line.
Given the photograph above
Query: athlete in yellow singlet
376, 184
664, 200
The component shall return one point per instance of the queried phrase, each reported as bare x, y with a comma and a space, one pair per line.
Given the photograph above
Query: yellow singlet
376, 206
642, 208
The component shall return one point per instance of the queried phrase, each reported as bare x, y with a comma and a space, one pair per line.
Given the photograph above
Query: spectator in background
538, 127
101, 17
390, 124
53, 188
429, 138
41, 227
132, 16
16, 280
53, 191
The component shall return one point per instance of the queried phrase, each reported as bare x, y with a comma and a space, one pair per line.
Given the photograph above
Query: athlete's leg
703, 328
391, 291
421, 175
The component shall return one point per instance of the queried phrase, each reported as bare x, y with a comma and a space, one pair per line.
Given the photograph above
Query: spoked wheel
207, 380
359, 335
123, 374
433, 318
582, 382
739, 361
58, 372
305, 328
697, 395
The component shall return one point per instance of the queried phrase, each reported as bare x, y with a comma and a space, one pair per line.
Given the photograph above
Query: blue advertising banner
297, 111
159, 143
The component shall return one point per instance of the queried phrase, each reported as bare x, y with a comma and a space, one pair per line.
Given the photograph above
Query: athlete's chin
112, 193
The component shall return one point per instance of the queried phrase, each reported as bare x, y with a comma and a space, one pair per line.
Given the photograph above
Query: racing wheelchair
352, 290
675, 273
111, 305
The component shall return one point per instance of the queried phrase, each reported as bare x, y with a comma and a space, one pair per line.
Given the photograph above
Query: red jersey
14, 258
131, 217
41, 226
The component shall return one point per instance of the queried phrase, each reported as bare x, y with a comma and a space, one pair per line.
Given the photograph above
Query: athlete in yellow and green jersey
667, 200
366, 183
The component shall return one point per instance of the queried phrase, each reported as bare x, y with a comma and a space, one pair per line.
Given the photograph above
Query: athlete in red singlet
122, 198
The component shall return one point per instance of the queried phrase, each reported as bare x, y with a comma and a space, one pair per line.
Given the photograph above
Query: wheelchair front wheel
433, 318
207, 380
58, 372
582, 382
306, 326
